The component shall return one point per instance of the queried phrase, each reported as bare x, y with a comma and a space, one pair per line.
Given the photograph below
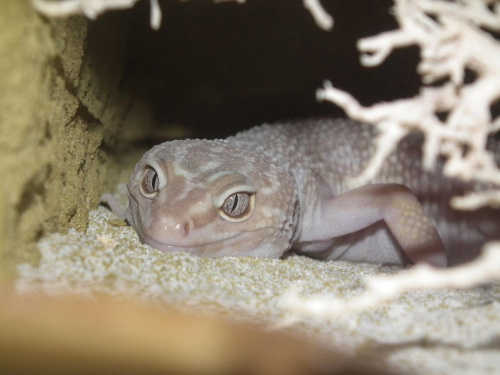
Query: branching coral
92, 8
451, 43
453, 39
382, 289
321, 17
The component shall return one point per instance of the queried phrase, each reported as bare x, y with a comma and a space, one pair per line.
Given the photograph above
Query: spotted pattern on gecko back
278, 187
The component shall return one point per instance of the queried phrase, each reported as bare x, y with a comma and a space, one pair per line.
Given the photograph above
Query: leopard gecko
278, 187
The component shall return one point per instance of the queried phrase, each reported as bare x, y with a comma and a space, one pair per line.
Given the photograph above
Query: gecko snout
183, 228
168, 228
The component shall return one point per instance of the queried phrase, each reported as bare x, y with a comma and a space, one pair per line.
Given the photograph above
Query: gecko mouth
236, 245
192, 249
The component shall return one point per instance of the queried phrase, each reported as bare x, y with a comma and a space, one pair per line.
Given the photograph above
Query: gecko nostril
186, 228
182, 229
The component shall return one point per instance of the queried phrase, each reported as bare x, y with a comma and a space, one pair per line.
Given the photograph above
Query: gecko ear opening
238, 207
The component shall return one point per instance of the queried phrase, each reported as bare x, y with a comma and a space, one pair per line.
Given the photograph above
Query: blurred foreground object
45, 335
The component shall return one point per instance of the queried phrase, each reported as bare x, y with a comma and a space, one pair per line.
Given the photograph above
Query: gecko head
211, 198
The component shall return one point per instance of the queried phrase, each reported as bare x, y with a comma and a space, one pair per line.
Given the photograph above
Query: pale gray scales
277, 187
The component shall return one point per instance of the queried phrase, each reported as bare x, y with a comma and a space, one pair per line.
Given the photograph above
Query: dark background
213, 69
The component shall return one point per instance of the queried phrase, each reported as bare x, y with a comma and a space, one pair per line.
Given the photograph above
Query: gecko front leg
395, 204
111, 201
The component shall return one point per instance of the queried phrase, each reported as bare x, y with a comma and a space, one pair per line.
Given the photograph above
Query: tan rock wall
54, 102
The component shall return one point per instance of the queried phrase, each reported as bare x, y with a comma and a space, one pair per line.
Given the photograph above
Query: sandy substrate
426, 332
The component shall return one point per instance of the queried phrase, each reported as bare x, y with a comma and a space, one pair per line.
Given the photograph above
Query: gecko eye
237, 207
150, 183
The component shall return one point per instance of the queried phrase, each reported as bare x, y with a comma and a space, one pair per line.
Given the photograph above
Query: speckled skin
296, 174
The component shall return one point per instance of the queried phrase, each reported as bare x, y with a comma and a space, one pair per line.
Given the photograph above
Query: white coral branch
396, 119
474, 201
382, 289
415, 28
451, 42
155, 19
321, 17
477, 11
92, 8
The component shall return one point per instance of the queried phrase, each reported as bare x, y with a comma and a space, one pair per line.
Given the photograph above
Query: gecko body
278, 187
